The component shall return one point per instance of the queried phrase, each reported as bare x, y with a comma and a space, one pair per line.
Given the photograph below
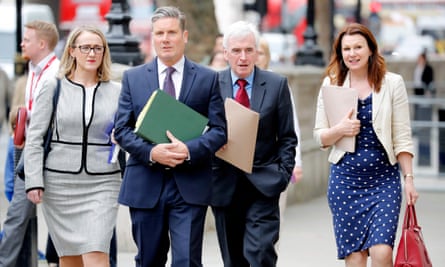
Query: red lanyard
33, 86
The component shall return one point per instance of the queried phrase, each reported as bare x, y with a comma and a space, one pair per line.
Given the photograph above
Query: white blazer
390, 118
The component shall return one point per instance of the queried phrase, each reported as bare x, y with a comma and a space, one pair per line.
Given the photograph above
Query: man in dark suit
168, 186
246, 205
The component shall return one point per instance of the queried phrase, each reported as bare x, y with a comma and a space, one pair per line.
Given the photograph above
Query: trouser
20, 211
248, 228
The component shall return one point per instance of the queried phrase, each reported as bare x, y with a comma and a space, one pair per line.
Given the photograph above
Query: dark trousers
18, 246
172, 219
248, 228
50, 253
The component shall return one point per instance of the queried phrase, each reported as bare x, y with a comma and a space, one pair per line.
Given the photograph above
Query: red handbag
412, 250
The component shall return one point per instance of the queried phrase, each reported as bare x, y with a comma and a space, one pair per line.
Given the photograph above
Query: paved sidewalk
307, 239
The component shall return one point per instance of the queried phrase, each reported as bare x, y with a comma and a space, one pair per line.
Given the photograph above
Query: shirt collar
249, 78
179, 66
39, 66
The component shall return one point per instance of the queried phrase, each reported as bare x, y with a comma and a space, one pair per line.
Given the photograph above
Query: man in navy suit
168, 186
246, 205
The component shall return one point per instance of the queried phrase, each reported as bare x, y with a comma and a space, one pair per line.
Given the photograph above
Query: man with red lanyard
38, 44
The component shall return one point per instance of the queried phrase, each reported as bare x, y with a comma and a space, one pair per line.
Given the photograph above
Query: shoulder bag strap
49, 131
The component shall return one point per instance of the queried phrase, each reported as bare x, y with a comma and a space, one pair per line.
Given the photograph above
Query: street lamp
310, 53
124, 48
19, 62
358, 12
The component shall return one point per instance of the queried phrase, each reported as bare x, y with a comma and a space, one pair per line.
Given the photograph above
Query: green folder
163, 112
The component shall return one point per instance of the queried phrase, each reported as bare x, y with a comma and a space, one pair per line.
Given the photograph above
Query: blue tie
169, 87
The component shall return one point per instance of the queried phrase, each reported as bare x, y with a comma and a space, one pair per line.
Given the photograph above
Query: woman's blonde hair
68, 63
264, 45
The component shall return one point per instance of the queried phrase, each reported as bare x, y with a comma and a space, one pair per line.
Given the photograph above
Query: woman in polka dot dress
364, 191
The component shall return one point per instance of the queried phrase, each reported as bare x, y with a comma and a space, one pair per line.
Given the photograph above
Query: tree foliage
201, 24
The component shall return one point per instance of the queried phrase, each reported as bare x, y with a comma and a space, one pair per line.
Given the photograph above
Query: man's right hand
170, 154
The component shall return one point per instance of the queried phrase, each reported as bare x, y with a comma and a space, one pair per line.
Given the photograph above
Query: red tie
241, 96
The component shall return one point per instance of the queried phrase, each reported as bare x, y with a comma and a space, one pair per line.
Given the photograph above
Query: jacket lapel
225, 84
187, 80
149, 74
377, 99
258, 90
152, 76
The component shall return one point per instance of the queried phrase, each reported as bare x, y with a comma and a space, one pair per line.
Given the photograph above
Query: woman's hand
410, 191
35, 195
349, 126
113, 140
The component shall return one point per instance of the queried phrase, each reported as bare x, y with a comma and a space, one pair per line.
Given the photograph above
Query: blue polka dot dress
364, 192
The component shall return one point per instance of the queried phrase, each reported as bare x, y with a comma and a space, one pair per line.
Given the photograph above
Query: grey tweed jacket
76, 146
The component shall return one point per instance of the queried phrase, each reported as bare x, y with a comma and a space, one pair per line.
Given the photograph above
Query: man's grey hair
169, 12
241, 29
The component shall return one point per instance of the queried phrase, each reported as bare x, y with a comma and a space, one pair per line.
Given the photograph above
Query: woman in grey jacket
364, 191
77, 186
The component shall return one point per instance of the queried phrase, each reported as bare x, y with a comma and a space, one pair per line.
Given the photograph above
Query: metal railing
428, 126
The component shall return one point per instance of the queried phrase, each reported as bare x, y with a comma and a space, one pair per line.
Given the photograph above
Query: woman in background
217, 61
423, 76
423, 88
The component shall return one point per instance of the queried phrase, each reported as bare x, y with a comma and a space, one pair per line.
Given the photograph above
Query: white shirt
38, 74
176, 76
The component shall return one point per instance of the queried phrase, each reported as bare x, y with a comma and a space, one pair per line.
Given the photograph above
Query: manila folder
242, 127
338, 101
163, 112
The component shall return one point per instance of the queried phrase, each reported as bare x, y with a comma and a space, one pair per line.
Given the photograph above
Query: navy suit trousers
171, 220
